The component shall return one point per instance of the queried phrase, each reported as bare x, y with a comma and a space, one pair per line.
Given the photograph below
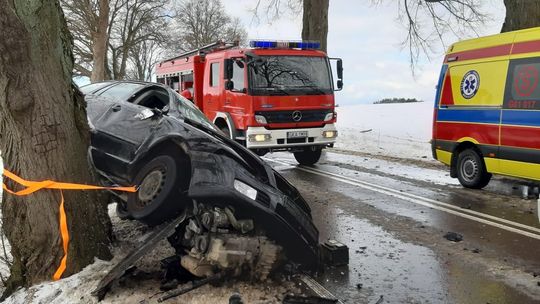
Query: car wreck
238, 214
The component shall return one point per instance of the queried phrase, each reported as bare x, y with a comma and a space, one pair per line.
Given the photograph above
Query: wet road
393, 217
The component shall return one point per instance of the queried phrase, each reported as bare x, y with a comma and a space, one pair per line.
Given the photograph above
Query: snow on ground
399, 130
434, 176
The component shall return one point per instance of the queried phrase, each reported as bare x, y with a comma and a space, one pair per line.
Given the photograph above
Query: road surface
393, 217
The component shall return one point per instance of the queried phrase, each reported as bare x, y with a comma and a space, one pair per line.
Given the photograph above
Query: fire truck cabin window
214, 74
238, 76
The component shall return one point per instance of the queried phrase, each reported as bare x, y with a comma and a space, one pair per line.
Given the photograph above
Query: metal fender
228, 119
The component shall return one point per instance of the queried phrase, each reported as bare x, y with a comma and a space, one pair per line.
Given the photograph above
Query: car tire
158, 198
471, 170
308, 157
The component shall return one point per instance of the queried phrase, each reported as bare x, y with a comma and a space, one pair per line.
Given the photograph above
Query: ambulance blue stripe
440, 84
490, 116
521, 118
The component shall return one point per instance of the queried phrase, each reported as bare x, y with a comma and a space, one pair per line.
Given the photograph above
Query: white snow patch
403, 170
399, 130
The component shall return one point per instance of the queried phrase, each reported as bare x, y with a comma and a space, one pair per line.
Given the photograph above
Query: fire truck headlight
260, 119
259, 137
329, 116
329, 134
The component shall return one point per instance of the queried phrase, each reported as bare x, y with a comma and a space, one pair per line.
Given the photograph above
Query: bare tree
315, 21
200, 22
433, 22
137, 22
521, 14
88, 20
44, 135
144, 56
128, 23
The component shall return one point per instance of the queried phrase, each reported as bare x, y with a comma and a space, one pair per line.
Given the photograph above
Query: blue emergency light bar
304, 45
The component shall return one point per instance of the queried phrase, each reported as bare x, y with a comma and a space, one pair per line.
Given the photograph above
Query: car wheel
471, 170
308, 157
157, 198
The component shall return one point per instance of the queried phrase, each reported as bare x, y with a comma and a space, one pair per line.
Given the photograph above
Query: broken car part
147, 245
213, 241
176, 156
334, 253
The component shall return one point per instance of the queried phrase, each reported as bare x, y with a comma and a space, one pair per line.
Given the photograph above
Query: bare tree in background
137, 22
88, 21
144, 56
201, 22
128, 24
430, 23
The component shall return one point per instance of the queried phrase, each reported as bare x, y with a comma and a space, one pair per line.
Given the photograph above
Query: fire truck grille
294, 116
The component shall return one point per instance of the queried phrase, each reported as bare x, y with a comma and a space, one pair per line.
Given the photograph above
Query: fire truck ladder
218, 45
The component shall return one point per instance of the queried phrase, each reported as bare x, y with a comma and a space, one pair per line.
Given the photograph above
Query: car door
123, 127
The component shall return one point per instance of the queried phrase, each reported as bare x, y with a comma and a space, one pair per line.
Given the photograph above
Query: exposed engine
213, 241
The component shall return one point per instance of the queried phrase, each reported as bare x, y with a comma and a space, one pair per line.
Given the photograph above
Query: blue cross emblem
470, 84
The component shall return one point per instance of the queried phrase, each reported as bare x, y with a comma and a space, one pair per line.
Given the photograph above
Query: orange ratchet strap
32, 187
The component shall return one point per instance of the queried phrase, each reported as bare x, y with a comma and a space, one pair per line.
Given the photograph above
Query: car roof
109, 83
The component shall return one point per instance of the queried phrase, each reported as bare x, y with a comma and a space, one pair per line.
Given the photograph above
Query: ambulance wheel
157, 198
308, 157
471, 170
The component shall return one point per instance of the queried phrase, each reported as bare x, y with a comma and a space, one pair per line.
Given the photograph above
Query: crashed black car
242, 212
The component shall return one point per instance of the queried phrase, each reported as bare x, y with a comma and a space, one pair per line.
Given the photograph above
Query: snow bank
399, 130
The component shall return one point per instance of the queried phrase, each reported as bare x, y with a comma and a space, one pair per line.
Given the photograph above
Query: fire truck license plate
296, 134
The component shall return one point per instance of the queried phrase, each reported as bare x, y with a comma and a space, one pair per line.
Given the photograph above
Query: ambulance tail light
269, 44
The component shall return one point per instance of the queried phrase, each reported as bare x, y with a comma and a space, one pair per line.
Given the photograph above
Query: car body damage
241, 213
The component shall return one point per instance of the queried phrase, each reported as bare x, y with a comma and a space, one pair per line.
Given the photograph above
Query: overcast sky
367, 38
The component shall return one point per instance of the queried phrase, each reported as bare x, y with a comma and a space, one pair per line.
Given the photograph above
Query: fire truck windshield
290, 75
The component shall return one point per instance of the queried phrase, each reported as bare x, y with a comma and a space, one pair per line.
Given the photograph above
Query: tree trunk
44, 135
315, 21
100, 38
521, 14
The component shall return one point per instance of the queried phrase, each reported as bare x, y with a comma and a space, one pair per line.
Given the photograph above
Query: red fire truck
272, 96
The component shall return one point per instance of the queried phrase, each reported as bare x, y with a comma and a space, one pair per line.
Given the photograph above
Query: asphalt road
394, 223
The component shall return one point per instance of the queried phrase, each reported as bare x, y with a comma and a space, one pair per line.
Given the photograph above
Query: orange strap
32, 187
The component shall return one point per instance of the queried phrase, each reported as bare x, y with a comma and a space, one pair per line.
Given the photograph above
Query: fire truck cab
273, 96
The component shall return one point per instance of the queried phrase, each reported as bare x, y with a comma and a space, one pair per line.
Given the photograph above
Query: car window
214, 74
189, 110
122, 91
90, 88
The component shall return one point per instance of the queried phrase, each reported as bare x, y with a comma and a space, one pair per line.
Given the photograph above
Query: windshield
290, 75
190, 111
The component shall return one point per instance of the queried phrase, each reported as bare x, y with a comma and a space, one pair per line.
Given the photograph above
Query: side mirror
228, 68
338, 73
340, 69
229, 85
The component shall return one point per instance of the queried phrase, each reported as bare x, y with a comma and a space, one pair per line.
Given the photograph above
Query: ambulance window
522, 87
238, 76
214, 74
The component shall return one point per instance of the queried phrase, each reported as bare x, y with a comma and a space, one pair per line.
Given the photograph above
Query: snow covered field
399, 130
